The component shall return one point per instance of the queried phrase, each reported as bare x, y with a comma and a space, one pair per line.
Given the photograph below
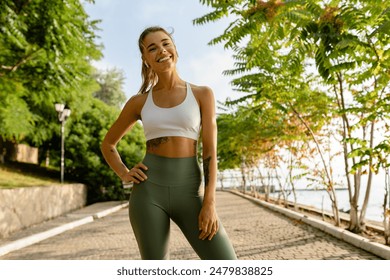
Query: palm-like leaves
275, 42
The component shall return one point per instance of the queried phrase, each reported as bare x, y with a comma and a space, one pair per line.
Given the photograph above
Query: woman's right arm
126, 120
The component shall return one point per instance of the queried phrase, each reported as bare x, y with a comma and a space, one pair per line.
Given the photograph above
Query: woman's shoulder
136, 103
139, 98
202, 92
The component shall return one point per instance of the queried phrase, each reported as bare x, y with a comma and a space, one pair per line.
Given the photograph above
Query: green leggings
172, 192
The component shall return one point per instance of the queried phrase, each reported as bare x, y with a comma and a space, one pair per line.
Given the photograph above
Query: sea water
320, 198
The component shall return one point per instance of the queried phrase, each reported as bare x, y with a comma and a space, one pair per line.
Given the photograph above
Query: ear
144, 61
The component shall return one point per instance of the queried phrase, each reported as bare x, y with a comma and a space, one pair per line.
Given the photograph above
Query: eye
151, 49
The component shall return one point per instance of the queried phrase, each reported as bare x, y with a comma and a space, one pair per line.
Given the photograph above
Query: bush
84, 161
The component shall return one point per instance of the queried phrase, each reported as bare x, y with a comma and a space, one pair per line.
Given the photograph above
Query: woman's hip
173, 172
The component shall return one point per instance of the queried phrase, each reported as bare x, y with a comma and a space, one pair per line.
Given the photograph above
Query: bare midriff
172, 146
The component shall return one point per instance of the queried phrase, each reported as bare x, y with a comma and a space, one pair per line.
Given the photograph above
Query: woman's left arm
208, 221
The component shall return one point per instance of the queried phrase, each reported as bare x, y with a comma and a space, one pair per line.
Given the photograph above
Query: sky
124, 20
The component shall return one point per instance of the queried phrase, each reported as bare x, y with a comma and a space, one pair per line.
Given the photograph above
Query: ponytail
149, 79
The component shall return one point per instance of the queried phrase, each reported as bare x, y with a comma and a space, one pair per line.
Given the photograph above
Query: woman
166, 182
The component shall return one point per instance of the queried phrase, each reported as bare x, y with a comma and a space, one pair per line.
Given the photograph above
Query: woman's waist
171, 171
172, 147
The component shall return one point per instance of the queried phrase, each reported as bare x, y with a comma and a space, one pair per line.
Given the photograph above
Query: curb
35, 238
340, 233
109, 211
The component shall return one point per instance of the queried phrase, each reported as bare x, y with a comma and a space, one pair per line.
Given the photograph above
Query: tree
352, 56
347, 42
47, 48
252, 132
46, 53
111, 87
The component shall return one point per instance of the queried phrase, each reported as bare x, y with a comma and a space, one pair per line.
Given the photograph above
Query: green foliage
313, 61
228, 143
347, 40
15, 116
84, 161
46, 50
248, 133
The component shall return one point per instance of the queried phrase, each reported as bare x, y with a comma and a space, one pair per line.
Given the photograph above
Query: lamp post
63, 114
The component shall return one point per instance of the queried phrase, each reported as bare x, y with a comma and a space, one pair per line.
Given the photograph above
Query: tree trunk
362, 217
291, 179
281, 187
243, 178
386, 208
353, 190
386, 223
354, 203
221, 177
328, 182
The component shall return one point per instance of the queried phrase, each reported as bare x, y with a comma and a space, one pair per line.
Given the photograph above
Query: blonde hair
149, 77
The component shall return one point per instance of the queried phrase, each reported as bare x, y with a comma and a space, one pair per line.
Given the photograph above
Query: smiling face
159, 51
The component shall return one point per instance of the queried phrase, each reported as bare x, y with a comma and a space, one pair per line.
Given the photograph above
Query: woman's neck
168, 80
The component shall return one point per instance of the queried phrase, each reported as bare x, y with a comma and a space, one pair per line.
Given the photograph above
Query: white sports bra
181, 120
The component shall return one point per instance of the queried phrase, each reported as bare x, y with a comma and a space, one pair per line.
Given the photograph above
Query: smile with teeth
163, 59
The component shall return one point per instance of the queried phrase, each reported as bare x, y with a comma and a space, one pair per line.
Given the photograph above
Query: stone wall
25, 153
24, 207
17, 152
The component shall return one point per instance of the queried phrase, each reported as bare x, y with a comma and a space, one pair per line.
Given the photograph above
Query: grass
14, 178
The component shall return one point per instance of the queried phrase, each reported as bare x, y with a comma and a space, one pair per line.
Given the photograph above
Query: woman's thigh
150, 220
186, 207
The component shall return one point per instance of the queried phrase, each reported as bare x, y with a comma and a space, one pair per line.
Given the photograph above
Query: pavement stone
256, 232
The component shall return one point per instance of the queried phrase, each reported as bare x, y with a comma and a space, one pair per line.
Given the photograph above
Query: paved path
256, 233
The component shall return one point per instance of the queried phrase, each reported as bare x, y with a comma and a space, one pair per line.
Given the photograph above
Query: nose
162, 50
